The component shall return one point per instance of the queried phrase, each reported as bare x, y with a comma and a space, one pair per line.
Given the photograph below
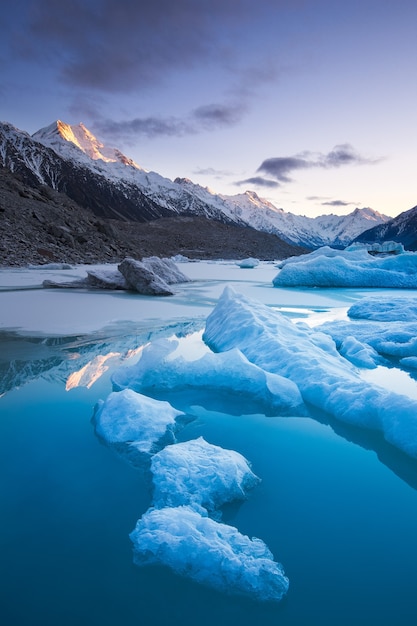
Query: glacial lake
337, 506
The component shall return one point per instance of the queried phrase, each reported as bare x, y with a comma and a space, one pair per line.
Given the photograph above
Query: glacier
327, 267
209, 552
310, 359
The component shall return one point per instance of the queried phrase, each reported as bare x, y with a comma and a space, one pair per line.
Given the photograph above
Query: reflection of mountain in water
75, 360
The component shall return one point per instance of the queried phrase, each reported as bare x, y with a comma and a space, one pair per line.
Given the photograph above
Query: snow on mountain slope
337, 230
60, 136
77, 146
402, 229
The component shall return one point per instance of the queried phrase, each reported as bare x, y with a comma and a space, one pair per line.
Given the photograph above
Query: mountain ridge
70, 159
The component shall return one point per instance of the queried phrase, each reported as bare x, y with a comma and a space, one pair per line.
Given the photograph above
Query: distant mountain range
402, 228
70, 160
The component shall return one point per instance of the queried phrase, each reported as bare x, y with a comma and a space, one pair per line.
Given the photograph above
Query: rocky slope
41, 225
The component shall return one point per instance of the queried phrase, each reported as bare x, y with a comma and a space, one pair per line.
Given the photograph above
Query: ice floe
385, 309
130, 417
310, 359
150, 276
326, 267
209, 552
229, 372
200, 474
248, 263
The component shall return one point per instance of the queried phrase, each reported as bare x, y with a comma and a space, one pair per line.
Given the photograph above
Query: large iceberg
209, 552
229, 372
200, 474
130, 417
326, 267
310, 359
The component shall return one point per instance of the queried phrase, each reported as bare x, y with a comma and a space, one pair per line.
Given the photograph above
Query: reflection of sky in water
392, 378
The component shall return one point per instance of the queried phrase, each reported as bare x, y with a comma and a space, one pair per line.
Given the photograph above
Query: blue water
337, 509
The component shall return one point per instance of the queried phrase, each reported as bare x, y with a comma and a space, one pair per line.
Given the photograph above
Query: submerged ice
209, 552
229, 372
310, 359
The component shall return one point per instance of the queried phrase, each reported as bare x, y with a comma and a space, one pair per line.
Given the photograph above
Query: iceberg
326, 267
130, 417
394, 340
310, 359
229, 372
385, 309
200, 474
209, 552
248, 263
150, 276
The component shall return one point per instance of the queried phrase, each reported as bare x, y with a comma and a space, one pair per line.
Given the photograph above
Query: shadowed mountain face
402, 229
41, 225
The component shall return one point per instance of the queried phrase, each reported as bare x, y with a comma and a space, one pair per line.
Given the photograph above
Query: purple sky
311, 103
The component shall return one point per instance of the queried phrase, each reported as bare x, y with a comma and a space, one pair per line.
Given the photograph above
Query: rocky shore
40, 225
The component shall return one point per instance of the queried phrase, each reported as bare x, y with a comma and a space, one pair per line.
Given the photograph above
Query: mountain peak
60, 136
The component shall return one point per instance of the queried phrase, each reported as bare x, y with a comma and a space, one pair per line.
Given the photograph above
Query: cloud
341, 155
337, 203
280, 167
122, 45
204, 118
212, 116
211, 171
258, 181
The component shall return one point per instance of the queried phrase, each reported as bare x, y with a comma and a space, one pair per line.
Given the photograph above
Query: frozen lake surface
336, 505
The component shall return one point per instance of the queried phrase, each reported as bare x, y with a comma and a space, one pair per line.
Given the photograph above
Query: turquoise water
337, 507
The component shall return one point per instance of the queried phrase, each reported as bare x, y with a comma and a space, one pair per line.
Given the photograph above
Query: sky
309, 103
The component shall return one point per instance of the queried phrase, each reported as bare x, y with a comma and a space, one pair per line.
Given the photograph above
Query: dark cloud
258, 181
341, 155
208, 117
121, 45
336, 203
146, 127
211, 171
280, 167
217, 115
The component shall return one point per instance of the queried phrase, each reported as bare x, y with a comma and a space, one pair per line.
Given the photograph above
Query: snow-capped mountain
72, 160
402, 229
335, 230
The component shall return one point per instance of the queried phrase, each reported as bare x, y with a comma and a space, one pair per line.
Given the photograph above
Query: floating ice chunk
165, 269
385, 309
358, 353
211, 553
226, 372
142, 279
325, 378
127, 416
248, 263
349, 269
394, 340
200, 474
105, 279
